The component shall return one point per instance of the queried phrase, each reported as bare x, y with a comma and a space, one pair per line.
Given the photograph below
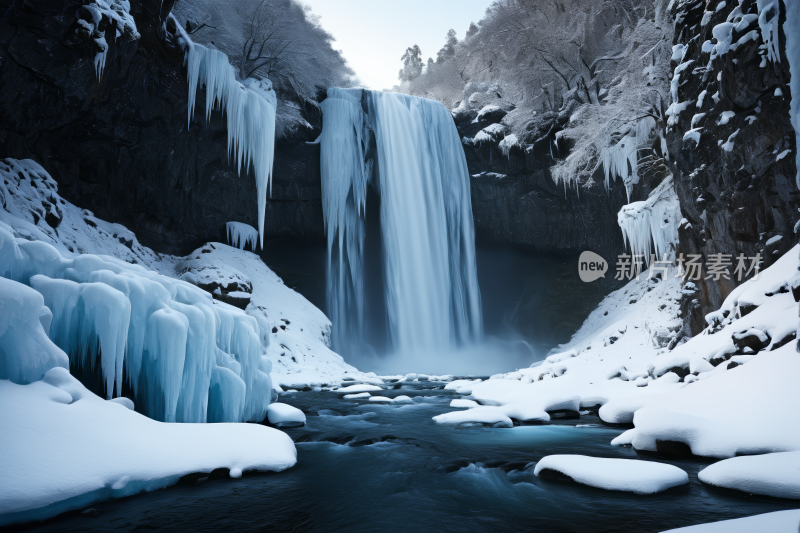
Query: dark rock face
515, 200
121, 147
734, 200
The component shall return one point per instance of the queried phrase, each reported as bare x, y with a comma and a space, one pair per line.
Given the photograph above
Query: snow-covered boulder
630, 475
64, 448
285, 416
777, 522
772, 474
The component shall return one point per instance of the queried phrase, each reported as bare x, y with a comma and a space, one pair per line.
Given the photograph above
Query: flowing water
364, 467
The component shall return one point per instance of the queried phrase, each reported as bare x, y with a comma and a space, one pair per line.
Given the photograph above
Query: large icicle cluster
240, 235
652, 224
430, 277
345, 173
250, 108
167, 338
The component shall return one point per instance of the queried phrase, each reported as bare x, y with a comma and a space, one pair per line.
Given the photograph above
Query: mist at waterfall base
401, 279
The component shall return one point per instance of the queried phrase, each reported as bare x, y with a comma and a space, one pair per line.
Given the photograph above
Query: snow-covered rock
65, 448
772, 474
777, 522
630, 475
285, 416
353, 389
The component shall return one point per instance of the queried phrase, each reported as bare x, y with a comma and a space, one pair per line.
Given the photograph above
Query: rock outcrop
120, 145
735, 176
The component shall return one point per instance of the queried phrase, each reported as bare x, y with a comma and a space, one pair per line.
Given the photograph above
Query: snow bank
777, 522
630, 475
714, 418
772, 474
284, 415
65, 448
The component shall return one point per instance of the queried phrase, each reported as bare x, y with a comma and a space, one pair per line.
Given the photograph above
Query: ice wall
156, 338
249, 106
430, 276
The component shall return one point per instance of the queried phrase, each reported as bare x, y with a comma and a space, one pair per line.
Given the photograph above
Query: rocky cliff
735, 168
120, 145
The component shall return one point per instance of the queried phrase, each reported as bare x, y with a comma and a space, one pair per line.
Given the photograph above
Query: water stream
364, 467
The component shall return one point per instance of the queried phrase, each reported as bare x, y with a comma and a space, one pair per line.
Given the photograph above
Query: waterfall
428, 240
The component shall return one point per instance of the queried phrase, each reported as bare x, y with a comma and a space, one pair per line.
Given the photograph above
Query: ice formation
432, 294
652, 224
250, 107
114, 11
240, 235
119, 320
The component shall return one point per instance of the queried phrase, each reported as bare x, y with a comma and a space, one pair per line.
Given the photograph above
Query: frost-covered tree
278, 39
412, 64
472, 30
449, 48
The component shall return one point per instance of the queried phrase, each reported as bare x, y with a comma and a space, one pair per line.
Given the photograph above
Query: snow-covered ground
730, 390
65, 448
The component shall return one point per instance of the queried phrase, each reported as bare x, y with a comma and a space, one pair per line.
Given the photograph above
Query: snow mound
777, 522
284, 415
352, 389
772, 474
629, 475
65, 448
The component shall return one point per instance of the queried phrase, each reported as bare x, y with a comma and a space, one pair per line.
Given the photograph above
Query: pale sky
374, 34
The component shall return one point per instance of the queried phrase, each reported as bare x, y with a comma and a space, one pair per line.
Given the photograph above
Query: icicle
226, 395
240, 235
652, 224
250, 108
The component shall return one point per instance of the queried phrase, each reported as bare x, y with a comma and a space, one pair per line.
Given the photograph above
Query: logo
591, 266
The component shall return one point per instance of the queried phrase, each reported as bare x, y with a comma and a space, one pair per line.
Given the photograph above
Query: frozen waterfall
430, 276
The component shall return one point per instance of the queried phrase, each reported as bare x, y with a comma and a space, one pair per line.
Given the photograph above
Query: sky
374, 34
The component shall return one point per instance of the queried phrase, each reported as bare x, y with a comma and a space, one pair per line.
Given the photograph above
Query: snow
693, 134
777, 522
728, 145
479, 415
459, 402
356, 396
113, 11
432, 294
772, 474
284, 415
353, 389
725, 117
250, 109
509, 142
382, 399
65, 448
629, 475
485, 110
241, 234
